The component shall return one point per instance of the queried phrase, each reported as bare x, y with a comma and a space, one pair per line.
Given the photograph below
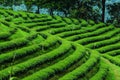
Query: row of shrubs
22, 52
90, 34
59, 66
113, 53
109, 48
31, 63
65, 28
80, 31
107, 35
106, 42
103, 71
84, 68
113, 60
5, 46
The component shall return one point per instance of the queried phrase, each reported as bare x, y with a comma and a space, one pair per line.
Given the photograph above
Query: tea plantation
44, 47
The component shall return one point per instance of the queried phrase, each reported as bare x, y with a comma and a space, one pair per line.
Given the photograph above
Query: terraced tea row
43, 47
61, 58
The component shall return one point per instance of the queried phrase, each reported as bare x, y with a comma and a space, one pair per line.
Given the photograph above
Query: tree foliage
74, 8
85, 9
114, 11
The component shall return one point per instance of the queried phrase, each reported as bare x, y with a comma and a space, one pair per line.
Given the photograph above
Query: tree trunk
51, 12
103, 10
65, 13
38, 10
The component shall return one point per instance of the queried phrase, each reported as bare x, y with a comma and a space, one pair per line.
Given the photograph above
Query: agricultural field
43, 47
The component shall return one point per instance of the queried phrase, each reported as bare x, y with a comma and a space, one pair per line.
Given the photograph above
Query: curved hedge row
44, 47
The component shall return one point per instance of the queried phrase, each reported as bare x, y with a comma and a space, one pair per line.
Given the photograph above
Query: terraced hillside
43, 47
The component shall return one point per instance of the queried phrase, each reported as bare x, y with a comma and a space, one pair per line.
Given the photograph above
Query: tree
72, 8
37, 2
7, 2
60, 5
40, 4
87, 9
76, 8
29, 4
103, 10
114, 11
66, 6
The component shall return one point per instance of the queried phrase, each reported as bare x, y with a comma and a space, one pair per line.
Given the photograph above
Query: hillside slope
43, 47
